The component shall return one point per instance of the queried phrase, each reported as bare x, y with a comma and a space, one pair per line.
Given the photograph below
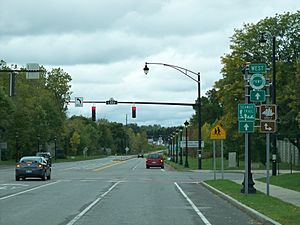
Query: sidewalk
283, 194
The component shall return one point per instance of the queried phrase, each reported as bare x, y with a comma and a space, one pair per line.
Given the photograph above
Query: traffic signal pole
248, 183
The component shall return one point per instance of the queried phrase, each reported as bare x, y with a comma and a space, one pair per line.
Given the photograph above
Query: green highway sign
258, 68
246, 112
257, 95
246, 126
257, 81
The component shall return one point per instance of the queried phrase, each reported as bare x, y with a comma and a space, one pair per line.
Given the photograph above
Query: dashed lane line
76, 218
31, 189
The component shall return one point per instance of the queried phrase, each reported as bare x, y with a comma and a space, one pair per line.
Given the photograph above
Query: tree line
35, 119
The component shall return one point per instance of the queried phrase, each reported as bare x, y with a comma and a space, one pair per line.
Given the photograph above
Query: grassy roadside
290, 181
284, 213
207, 164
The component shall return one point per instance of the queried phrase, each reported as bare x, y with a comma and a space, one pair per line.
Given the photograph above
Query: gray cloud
104, 44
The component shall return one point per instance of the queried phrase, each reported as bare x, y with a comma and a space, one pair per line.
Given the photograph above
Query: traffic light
94, 113
133, 112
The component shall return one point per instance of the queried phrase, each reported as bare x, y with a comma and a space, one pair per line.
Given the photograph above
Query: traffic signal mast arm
145, 103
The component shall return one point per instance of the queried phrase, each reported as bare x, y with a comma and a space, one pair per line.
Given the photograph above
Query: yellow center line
110, 165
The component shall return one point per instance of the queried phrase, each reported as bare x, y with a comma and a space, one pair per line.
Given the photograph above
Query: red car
154, 160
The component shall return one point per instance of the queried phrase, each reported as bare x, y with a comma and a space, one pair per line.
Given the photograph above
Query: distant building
150, 141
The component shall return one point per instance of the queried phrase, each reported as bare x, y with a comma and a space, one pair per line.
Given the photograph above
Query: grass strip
282, 212
290, 181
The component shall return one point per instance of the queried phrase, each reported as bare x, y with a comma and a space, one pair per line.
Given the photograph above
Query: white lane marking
136, 166
162, 169
76, 218
31, 189
193, 205
25, 185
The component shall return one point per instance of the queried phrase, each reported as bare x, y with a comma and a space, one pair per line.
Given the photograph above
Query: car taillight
161, 160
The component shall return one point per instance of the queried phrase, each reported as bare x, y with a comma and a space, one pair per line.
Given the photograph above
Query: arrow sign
78, 101
257, 95
267, 126
246, 126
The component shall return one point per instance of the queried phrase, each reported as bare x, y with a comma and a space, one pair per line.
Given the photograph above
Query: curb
251, 212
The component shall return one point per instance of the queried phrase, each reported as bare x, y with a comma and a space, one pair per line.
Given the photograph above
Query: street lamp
186, 164
186, 72
262, 41
55, 148
172, 147
175, 146
181, 152
177, 132
17, 145
38, 143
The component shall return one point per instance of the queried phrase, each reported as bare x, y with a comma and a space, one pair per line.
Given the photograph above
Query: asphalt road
109, 192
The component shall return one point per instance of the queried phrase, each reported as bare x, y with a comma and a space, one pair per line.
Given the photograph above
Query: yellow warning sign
218, 133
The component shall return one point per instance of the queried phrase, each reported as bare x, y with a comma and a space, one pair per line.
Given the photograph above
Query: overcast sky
104, 44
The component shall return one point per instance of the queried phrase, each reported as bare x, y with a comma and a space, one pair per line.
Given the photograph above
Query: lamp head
262, 41
186, 123
146, 69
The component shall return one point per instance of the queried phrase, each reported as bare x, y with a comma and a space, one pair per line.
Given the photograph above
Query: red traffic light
94, 113
133, 112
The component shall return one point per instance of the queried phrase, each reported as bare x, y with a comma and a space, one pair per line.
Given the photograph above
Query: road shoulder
251, 212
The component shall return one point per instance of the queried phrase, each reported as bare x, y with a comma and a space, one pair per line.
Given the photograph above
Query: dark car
140, 155
46, 155
154, 160
33, 166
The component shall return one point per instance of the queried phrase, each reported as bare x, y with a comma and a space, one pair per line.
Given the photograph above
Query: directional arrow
267, 127
246, 126
257, 96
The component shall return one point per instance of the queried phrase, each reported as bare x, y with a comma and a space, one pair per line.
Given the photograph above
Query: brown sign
267, 126
268, 112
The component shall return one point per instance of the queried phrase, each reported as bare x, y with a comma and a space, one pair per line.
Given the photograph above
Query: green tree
230, 89
75, 141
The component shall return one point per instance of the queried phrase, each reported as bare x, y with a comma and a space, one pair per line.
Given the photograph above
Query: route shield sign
246, 126
218, 133
257, 95
257, 81
246, 112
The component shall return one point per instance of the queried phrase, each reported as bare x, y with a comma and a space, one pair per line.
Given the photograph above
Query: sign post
218, 133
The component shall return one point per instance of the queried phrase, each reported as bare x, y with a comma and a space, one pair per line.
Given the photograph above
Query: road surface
109, 192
